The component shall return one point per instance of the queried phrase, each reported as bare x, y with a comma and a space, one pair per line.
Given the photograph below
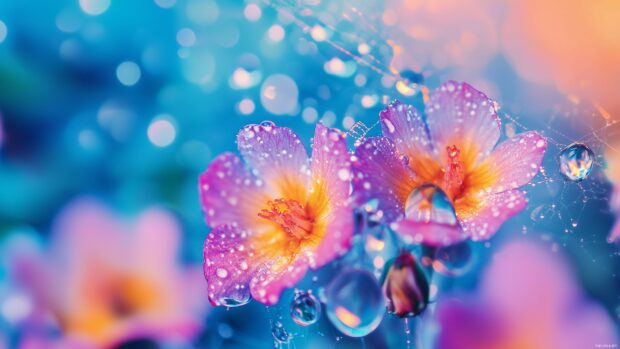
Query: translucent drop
576, 162
305, 308
405, 286
453, 260
428, 203
267, 123
279, 333
355, 303
235, 297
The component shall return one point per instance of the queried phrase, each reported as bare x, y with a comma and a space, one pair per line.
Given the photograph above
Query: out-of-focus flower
275, 219
528, 299
105, 280
573, 45
613, 174
442, 34
455, 165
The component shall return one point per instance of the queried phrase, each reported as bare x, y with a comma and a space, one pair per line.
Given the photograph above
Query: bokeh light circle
162, 131
3, 31
128, 73
94, 7
279, 94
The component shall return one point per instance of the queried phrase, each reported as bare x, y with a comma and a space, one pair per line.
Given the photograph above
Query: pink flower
278, 216
528, 299
106, 280
445, 180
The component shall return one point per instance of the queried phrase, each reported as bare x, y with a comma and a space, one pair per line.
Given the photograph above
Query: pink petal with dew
331, 171
337, 238
496, 209
228, 266
331, 167
276, 276
230, 194
380, 173
402, 124
429, 233
278, 156
458, 114
514, 162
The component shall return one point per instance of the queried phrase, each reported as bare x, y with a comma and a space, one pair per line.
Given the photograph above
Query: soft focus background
110, 109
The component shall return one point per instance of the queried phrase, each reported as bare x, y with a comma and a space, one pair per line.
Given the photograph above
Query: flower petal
429, 233
494, 211
512, 164
331, 173
331, 167
230, 194
269, 282
336, 238
227, 266
403, 125
379, 173
277, 156
458, 114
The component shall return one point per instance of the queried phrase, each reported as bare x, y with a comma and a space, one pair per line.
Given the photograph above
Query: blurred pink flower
276, 217
457, 161
528, 299
106, 279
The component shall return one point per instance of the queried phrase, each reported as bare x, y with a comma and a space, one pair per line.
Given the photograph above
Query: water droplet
355, 303
235, 297
305, 308
267, 123
453, 260
430, 218
405, 286
221, 272
429, 204
576, 162
279, 333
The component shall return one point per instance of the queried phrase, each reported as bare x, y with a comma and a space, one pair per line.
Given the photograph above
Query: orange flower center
454, 173
290, 215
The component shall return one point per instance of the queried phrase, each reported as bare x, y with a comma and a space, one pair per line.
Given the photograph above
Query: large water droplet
236, 297
355, 303
429, 218
454, 260
429, 204
576, 162
305, 309
405, 286
279, 333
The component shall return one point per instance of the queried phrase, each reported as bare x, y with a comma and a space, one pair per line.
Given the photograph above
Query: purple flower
276, 217
444, 180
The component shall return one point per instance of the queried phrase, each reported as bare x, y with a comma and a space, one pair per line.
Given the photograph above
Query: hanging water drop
305, 308
429, 218
576, 162
405, 286
279, 333
355, 303
453, 260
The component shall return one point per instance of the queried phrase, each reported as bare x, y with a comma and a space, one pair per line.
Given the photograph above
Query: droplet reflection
576, 162
355, 303
305, 309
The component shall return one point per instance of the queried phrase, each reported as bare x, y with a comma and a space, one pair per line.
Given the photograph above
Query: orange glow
347, 317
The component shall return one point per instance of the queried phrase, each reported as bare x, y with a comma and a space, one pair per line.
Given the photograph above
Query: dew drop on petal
428, 203
453, 260
355, 303
279, 333
405, 286
221, 273
576, 162
305, 308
